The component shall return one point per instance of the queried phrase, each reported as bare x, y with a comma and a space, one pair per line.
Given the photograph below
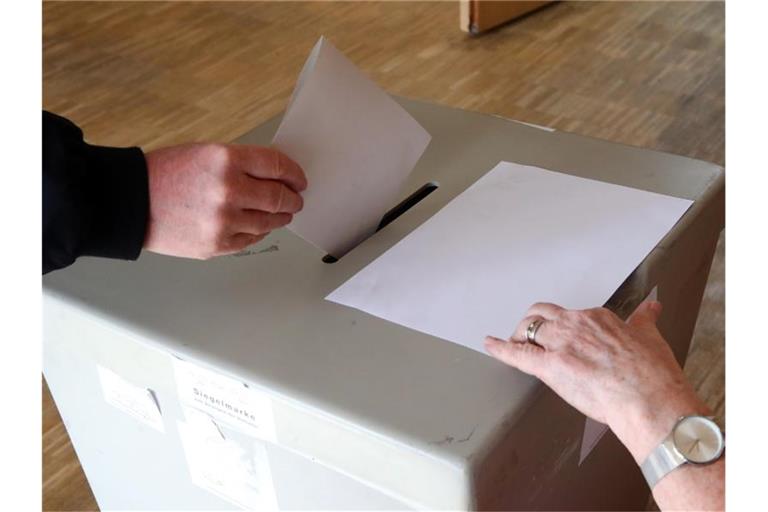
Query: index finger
523, 356
269, 163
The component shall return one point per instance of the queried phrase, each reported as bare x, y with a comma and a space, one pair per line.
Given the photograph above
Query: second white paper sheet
356, 145
518, 235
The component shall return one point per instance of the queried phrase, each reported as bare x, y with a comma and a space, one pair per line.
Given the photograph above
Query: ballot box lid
260, 316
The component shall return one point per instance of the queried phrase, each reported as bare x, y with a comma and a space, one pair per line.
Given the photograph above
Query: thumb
646, 315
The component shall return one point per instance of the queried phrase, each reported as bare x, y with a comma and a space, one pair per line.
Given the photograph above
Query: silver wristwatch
693, 440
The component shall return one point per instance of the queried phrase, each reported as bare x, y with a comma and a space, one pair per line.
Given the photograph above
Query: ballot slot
398, 210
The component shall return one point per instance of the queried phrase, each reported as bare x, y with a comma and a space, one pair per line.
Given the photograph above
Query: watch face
698, 439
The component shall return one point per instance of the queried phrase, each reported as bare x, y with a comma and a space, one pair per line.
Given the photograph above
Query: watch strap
660, 462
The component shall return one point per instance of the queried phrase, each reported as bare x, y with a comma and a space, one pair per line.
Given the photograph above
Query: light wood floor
152, 74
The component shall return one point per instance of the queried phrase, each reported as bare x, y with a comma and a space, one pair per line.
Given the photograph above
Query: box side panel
131, 465
543, 472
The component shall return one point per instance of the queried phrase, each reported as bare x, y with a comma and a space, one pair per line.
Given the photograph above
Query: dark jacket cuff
119, 193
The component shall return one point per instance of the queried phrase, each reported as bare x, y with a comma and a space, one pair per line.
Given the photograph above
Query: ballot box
232, 383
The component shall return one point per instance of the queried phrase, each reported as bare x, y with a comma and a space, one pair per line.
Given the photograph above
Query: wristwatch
693, 440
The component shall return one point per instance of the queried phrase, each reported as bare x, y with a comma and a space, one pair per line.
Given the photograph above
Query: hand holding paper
356, 145
207, 200
625, 375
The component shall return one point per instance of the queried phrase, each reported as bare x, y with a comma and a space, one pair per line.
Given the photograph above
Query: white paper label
227, 400
238, 473
137, 401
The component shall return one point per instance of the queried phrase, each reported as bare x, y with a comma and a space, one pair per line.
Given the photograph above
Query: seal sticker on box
134, 400
227, 400
238, 472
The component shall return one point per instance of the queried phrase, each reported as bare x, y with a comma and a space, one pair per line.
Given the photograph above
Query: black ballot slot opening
399, 209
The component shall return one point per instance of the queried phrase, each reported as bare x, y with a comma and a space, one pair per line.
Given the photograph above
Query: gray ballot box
326, 407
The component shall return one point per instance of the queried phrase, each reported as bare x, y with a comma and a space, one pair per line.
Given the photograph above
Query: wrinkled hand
212, 199
620, 373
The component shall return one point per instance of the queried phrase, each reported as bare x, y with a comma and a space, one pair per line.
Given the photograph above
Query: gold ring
530, 332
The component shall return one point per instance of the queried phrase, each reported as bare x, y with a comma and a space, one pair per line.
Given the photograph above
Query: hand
207, 200
622, 374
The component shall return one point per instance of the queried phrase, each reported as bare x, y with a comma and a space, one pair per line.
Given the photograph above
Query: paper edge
306, 70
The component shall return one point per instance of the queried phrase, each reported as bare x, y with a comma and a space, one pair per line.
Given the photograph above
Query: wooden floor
152, 74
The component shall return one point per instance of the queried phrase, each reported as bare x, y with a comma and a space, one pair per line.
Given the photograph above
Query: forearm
688, 487
693, 488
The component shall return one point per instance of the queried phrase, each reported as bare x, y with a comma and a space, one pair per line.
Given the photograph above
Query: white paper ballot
356, 145
518, 235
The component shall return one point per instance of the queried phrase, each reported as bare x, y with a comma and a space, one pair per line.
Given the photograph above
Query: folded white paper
518, 235
355, 144
593, 433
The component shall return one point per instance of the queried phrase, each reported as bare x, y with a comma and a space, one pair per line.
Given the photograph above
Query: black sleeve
95, 199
